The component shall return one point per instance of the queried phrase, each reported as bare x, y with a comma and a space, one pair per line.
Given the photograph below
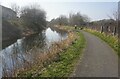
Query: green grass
67, 60
111, 40
66, 63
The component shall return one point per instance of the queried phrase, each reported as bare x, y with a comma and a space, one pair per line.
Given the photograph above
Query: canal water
27, 49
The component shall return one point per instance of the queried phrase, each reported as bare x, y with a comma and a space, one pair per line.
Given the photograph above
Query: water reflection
25, 51
53, 36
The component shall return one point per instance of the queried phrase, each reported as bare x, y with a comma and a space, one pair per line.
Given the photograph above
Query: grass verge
111, 40
66, 63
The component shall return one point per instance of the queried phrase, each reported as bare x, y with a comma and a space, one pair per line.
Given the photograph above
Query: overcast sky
95, 10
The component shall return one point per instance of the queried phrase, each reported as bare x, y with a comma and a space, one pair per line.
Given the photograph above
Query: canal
27, 50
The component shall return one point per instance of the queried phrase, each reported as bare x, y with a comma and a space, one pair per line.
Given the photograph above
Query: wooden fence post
114, 32
101, 29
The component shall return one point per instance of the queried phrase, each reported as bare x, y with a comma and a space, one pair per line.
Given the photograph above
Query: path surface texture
98, 60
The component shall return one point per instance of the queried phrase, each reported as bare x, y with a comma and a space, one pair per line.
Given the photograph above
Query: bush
33, 18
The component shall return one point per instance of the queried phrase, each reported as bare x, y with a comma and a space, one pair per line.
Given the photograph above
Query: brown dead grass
51, 55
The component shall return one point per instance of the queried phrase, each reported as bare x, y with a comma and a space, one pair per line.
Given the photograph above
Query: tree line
33, 19
108, 26
29, 19
74, 19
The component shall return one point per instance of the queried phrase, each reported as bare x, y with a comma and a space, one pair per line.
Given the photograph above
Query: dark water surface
26, 50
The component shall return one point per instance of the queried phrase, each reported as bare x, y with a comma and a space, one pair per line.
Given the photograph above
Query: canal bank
29, 51
65, 59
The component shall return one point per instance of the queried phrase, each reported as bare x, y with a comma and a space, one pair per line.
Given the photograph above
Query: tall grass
67, 60
60, 59
48, 57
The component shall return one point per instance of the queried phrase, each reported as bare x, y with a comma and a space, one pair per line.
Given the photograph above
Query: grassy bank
67, 54
67, 60
111, 40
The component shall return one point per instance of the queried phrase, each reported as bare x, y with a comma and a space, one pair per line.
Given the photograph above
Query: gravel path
99, 59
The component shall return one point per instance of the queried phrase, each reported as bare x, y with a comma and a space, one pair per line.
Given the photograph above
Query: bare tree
74, 19
33, 17
78, 19
15, 8
115, 18
63, 20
